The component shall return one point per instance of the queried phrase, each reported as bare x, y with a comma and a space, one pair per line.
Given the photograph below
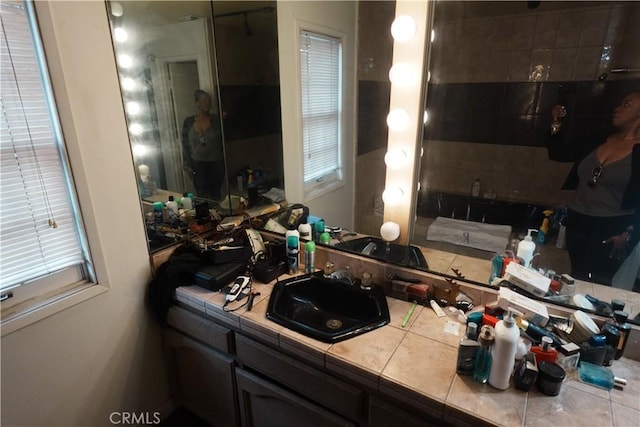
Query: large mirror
496, 71
516, 58
200, 86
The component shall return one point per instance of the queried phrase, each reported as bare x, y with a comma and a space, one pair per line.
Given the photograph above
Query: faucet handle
365, 283
329, 268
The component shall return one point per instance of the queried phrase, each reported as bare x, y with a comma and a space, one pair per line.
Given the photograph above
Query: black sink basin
329, 310
408, 256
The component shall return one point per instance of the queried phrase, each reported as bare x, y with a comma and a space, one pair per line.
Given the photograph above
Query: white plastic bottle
172, 205
187, 202
305, 231
504, 352
526, 248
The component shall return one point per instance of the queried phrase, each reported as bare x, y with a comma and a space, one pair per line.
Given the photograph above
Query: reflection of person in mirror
202, 149
603, 220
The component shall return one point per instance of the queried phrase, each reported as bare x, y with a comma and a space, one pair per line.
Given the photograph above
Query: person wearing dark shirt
202, 150
603, 220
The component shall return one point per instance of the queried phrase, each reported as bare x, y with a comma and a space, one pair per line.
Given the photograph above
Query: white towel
488, 237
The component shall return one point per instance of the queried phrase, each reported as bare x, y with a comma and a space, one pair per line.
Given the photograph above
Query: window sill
59, 302
320, 191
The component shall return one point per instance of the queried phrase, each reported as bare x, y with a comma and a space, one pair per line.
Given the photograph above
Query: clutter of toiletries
516, 342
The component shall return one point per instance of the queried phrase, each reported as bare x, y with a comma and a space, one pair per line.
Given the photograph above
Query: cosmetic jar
550, 377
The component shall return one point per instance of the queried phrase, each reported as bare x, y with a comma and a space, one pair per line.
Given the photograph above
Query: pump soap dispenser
526, 248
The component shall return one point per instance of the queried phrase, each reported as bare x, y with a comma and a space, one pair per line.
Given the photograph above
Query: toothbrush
408, 315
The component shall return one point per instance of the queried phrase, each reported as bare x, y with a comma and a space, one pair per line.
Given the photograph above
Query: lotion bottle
305, 231
172, 205
504, 352
187, 202
526, 248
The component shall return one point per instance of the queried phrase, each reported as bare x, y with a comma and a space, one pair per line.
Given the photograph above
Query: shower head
602, 77
247, 28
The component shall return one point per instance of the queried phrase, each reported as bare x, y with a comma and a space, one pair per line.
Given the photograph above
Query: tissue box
527, 279
533, 311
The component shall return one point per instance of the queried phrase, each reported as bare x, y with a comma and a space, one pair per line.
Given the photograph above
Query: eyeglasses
595, 174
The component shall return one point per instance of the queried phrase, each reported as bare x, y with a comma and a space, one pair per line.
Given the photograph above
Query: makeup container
569, 356
526, 372
550, 377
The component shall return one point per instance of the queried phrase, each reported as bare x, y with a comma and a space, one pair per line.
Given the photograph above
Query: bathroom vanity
239, 368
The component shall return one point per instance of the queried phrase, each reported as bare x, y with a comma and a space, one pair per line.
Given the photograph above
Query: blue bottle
496, 267
482, 365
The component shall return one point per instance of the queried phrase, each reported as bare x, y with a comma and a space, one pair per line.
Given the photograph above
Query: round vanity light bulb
395, 159
135, 129
425, 117
403, 28
144, 170
402, 74
398, 120
133, 108
392, 196
433, 35
140, 150
125, 61
116, 9
390, 231
128, 83
120, 35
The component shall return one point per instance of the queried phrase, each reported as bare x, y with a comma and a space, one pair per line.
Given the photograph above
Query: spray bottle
293, 250
526, 248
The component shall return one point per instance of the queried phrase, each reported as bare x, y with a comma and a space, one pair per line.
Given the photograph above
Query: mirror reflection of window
320, 85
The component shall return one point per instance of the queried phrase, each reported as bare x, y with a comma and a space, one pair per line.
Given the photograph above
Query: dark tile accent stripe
520, 113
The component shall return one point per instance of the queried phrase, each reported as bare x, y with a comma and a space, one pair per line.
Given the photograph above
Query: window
43, 254
321, 100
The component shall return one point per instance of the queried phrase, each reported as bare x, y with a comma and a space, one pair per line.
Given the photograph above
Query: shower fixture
247, 28
602, 77
245, 24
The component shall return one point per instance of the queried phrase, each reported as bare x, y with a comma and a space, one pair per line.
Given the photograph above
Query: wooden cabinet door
202, 380
382, 414
264, 404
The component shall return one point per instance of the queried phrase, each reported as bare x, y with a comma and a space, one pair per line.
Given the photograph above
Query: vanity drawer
315, 385
202, 329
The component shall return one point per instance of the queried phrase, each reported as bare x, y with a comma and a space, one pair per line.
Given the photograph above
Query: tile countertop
416, 364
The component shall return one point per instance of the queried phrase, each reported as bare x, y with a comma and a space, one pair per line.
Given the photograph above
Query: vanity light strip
405, 106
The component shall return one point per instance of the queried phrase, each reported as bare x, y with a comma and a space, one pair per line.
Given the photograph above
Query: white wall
336, 207
102, 355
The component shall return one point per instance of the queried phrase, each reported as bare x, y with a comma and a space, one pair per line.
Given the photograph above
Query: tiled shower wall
494, 80
249, 79
576, 43
375, 54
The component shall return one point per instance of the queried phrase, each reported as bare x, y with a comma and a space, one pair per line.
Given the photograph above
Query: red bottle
544, 351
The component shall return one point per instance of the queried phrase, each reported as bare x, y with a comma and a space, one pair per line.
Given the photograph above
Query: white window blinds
40, 232
321, 88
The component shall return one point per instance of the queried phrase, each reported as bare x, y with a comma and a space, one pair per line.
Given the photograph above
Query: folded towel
488, 237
